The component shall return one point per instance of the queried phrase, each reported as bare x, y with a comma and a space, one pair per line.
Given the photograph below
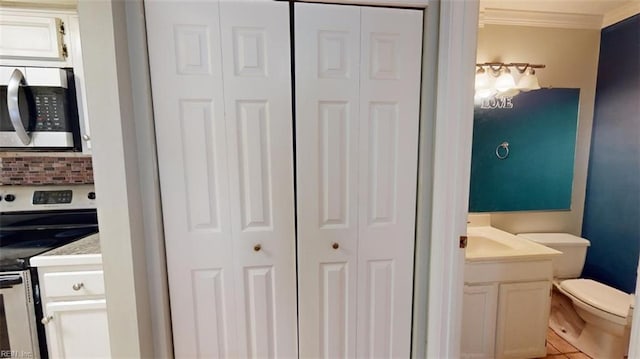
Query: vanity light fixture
496, 79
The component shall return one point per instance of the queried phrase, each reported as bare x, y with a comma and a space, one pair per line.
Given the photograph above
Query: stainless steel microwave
38, 109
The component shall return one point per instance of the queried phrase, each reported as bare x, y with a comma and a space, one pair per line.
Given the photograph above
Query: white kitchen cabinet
32, 37
479, 310
74, 307
523, 319
505, 320
77, 329
75, 53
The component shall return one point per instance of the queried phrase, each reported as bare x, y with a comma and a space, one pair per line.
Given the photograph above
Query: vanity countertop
84, 251
486, 243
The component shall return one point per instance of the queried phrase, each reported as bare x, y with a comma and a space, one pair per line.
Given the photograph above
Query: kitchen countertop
81, 252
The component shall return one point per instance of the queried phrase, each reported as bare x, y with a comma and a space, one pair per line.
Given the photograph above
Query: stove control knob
91, 195
9, 198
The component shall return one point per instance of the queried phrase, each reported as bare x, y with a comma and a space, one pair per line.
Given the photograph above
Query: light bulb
505, 81
483, 80
529, 81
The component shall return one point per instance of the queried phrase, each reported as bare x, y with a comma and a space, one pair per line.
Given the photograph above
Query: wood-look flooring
559, 348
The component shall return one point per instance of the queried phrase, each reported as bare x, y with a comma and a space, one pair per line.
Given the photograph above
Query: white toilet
605, 312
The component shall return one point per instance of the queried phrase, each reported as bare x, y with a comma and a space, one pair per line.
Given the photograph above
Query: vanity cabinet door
479, 307
523, 316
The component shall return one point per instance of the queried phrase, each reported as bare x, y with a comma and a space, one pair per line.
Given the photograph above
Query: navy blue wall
612, 205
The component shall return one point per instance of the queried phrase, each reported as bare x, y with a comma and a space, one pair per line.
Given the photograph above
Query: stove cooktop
15, 254
24, 235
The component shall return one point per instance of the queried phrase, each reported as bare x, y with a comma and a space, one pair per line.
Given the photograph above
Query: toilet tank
574, 251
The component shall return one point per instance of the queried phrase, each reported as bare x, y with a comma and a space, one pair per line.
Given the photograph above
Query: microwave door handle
16, 79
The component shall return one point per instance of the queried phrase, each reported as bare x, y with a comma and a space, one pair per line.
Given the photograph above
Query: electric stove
34, 220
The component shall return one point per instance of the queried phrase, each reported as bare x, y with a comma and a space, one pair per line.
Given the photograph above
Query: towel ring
502, 154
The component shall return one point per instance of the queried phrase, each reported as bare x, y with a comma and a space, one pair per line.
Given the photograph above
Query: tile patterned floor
558, 348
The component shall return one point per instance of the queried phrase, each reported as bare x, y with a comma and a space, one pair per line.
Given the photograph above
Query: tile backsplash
45, 170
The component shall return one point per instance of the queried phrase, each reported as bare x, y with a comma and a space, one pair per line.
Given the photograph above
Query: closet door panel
222, 104
192, 152
257, 91
391, 45
327, 114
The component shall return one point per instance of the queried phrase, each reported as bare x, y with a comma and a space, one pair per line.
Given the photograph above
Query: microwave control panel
50, 111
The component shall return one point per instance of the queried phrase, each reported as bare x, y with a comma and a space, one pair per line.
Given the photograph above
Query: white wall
103, 33
149, 182
571, 57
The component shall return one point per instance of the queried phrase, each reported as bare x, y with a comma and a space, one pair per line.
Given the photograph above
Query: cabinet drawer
73, 284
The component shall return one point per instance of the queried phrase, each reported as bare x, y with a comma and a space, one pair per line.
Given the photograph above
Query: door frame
452, 135
125, 163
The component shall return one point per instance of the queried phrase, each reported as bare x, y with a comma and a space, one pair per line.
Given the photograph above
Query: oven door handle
8, 281
16, 79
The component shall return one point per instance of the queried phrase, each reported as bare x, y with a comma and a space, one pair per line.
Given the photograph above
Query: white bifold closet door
357, 111
221, 81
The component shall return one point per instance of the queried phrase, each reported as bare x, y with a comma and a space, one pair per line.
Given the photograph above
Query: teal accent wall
538, 173
612, 204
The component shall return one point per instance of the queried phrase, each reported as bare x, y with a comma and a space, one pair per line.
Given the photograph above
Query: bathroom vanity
507, 294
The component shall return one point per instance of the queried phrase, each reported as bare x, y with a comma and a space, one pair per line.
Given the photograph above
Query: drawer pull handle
46, 320
257, 247
78, 286
335, 246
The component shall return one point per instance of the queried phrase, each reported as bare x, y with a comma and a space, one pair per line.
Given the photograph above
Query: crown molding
40, 4
491, 16
621, 13
391, 3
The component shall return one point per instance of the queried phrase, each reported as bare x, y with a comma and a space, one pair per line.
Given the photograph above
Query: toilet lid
554, 239
598, 295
